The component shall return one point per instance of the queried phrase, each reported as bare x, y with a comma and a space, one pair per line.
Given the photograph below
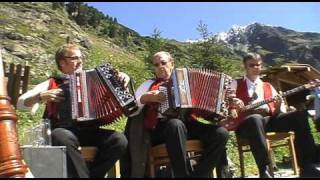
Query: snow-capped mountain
276, 44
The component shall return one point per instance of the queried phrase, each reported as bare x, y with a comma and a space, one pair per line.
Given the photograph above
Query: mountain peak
276, 43
235, 32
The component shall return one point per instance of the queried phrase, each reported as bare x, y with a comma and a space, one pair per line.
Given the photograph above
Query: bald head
163, 65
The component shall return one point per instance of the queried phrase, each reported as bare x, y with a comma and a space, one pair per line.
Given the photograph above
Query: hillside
31, 32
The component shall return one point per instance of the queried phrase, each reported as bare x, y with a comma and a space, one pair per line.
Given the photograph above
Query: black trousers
174, 133
222, 162
255, 127
111, 145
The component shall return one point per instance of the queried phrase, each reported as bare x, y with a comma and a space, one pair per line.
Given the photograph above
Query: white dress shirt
33, 92
142, 89
317, 102
257, 86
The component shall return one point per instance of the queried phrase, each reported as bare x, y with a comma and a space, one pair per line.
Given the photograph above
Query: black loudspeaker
46, 161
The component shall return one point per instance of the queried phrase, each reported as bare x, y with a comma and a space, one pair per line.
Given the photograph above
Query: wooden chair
18, 79
274, 139
89, 153
158, 155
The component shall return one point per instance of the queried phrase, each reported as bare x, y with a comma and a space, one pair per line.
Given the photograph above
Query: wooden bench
18, 79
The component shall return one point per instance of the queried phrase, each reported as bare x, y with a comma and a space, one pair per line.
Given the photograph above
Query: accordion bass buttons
122, 95
108, 76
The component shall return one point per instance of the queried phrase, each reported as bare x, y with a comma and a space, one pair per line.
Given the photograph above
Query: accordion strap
131, 87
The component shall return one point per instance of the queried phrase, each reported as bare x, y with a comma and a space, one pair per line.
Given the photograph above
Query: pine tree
113, 30
155, 44
208, 54
73, 8
204, 52
57, 5
115, 20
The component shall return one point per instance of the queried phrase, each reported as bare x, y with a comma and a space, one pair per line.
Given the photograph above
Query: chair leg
117, 169
151, 165
114, 172
293, 155
270, 157
214, 173
273, 160
241, 159
152, 171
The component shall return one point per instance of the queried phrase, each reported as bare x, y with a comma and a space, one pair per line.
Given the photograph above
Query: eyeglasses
73, 58
253, 65
163, 63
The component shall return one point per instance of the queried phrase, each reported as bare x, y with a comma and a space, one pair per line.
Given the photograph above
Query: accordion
97, 97
202, 90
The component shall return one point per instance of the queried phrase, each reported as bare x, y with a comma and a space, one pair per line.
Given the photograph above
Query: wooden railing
18, 79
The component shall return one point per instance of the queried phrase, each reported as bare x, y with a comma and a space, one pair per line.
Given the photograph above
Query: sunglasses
163, 63
72, 58
253, 65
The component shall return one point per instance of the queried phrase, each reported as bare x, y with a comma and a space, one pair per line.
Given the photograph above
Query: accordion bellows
202, 90
97, 96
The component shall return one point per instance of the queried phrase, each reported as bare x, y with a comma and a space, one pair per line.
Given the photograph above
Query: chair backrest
18, 79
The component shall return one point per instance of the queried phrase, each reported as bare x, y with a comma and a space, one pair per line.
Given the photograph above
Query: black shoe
264, 172
224, 172
310, 170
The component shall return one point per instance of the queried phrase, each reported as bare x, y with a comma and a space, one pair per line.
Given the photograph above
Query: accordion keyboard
98, 97
164, 105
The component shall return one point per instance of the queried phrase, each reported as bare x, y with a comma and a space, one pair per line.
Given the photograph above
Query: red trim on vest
51, 107
151, 120
267, 89
242, 91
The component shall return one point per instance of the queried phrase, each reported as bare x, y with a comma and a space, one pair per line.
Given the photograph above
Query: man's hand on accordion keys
123, 78
53, 95
153, 96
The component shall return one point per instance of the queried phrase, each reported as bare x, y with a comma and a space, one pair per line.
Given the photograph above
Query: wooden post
16, 85
11, 165
1, 64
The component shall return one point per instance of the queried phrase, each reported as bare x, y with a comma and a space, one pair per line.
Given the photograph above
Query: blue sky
179, 20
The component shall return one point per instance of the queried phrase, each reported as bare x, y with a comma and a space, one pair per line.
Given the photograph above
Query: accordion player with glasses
97, 97
202, 90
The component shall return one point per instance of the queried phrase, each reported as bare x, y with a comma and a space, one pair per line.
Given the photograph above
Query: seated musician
173, 132
316, 117
270, 117
110, 144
